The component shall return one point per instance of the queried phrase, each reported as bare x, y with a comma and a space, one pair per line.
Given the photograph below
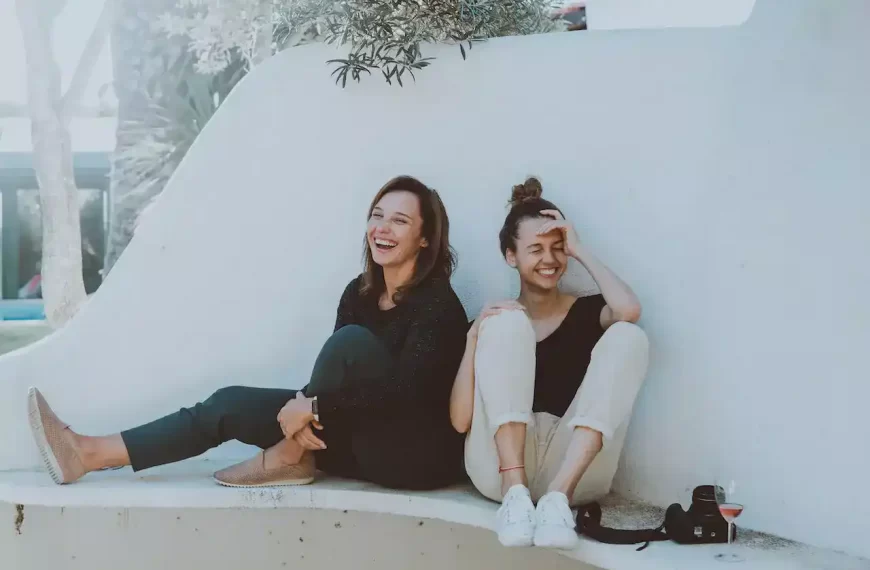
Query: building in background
92, 137
20, 221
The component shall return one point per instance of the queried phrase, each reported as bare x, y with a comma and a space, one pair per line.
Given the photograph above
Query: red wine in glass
730, 511
726, 493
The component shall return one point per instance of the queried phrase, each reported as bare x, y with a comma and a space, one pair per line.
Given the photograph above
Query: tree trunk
263, 47
62, 283
140, 55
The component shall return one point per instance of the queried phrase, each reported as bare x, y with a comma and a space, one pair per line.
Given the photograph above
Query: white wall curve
637, 14
722, 172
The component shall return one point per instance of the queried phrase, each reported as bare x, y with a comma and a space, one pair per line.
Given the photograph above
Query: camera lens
704, 501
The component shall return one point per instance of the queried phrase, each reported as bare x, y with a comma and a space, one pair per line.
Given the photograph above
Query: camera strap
589, 524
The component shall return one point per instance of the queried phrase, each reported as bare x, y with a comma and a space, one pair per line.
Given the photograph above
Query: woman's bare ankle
512, 478
100, 452
286, 452
564, 487
88, 451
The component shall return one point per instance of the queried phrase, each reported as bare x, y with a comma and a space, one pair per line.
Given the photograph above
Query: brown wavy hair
436, 260
525, 202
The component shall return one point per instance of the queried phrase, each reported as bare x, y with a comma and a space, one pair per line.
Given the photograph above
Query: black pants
375, 448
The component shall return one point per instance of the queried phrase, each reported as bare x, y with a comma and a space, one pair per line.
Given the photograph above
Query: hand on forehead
529, 227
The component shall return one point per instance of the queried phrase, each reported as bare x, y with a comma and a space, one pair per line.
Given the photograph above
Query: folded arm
622, 303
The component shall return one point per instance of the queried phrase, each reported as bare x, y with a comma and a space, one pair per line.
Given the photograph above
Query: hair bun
527, 191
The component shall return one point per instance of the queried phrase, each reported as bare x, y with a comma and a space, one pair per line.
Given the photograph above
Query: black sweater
425, 333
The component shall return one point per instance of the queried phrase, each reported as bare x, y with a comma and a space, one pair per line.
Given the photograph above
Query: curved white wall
636, 14
722, 172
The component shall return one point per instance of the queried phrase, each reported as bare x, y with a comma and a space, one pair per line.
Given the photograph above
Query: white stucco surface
722, 172
637, 14
412, 523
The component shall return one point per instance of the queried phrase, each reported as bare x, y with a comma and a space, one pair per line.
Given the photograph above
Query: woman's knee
507, 329
623, 350
352, 339
354, 333
224, 401
626, 337
225, 398
506, 346
351, 352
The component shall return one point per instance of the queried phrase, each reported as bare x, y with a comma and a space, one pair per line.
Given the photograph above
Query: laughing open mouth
384, 245
548, 271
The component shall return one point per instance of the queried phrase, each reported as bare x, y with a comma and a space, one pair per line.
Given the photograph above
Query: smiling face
395, 229
540, 260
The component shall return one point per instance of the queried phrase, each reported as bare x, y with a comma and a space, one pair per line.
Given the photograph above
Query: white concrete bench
690, 148
188, 487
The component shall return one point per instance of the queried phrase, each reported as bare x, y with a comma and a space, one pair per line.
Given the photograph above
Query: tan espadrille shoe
253, 473
53, 440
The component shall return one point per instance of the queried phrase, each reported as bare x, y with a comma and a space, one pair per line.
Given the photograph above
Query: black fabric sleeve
421, 376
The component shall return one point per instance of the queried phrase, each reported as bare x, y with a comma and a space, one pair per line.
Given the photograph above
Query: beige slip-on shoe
53, 440
253, 473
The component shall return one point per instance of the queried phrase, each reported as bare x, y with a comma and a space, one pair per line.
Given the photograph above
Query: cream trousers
504, 371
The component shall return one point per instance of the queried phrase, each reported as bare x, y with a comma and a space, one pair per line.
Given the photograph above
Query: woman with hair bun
548, 380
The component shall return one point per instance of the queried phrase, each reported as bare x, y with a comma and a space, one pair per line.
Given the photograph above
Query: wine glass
728, 501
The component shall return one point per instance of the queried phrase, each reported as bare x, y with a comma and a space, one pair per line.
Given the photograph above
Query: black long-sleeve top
425, 334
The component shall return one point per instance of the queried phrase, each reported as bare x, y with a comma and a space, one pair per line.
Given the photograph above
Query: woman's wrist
306, 408
584, 256
315, 409
579, 253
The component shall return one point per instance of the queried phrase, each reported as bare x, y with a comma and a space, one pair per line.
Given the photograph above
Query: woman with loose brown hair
377, 401
436, 258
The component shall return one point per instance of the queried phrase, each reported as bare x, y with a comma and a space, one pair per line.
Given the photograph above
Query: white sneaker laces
553, 509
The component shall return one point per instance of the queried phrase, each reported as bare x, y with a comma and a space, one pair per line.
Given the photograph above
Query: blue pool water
15, 310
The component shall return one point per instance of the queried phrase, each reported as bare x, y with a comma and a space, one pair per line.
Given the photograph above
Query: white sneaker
515, 520
555, 524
